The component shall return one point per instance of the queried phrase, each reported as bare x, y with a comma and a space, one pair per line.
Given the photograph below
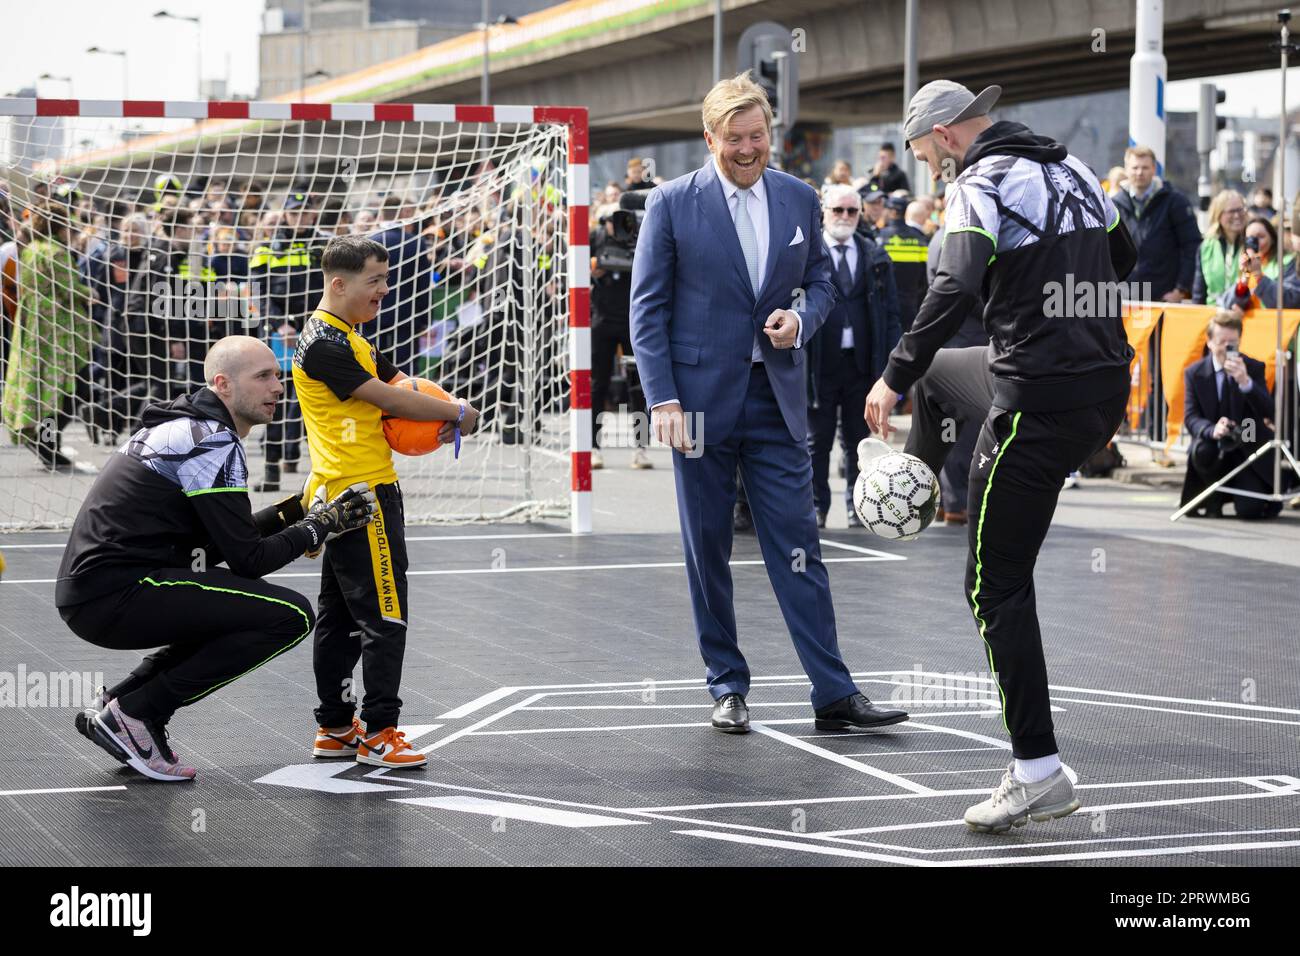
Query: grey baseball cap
942, 103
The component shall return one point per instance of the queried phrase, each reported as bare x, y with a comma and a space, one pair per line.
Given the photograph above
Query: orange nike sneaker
335, 745
388, 748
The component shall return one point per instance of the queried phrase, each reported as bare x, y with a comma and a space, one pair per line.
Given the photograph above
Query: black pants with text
361, 616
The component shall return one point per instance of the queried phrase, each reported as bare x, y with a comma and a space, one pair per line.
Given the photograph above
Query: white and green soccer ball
896, 494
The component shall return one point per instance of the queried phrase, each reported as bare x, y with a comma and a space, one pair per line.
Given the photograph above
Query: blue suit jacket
694, 313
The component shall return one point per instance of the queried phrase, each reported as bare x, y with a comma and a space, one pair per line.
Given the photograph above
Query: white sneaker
1014, 803
640, 460
596, 461
1071, 480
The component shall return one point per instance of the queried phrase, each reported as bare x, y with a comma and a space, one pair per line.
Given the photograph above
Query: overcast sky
161, 53
53, 38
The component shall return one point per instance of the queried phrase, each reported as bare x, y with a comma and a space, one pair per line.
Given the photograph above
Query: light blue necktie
745, 233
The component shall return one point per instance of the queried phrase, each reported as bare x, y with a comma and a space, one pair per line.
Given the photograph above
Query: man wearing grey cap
1024, 218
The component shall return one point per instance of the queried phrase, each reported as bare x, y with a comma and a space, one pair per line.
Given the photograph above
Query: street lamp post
485, 85
198, 41
122, 53
61, 79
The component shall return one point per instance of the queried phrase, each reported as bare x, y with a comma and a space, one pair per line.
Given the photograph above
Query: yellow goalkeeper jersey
345, 434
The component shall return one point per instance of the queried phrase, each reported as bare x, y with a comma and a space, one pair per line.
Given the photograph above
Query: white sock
1039, 768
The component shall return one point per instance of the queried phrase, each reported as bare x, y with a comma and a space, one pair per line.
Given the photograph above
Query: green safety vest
1218, 267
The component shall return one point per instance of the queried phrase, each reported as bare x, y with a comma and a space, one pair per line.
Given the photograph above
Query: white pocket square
798, 236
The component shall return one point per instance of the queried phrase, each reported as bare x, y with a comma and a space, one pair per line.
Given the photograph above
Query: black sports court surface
555, 684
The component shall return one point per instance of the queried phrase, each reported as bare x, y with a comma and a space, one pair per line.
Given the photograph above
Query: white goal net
135, 235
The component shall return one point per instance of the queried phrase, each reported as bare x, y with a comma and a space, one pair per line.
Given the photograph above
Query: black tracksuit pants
361, 616
212, 627
1020, 463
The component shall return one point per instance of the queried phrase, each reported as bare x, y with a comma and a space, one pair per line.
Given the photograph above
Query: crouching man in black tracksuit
1031, 231
139, 570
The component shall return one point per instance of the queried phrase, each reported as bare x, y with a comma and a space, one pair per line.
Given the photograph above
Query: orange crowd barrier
1182, 342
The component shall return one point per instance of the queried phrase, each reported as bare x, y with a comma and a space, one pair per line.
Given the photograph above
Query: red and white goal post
154, 242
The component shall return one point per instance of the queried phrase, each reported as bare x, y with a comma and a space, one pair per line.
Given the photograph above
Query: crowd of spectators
111, 303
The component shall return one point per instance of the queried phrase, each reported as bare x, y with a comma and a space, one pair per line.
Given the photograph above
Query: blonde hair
729, 97
1224, 318
1215, 230
1142, 152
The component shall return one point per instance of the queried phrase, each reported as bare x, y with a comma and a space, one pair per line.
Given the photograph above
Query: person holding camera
613, 242
1226, 411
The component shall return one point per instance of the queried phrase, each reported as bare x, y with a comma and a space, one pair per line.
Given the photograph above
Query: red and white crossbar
578, 196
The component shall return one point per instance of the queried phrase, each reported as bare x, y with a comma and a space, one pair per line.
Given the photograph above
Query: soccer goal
138, 233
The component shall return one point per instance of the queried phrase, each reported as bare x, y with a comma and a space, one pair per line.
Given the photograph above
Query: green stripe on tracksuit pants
212, 627
1019, 465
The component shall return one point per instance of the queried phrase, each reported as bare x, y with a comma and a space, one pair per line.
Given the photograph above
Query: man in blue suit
730, 278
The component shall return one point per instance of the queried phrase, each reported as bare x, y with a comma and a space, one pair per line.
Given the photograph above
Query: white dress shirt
846, 338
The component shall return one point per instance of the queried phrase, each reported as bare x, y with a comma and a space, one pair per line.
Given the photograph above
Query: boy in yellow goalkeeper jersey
345, 388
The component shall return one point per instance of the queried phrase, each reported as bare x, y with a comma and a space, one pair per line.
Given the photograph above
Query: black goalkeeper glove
353, 508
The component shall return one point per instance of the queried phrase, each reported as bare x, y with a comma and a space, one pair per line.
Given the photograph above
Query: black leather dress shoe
742, 522
856, 711
730, 715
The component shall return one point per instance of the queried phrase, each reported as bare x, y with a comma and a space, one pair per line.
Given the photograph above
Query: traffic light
1208, 122
765, 49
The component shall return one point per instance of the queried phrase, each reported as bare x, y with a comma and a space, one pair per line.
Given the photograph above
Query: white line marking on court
885, 775
1134, 805
574, 730
751, 704
478, 703
1045, 858
948, 773
543, 569
867, 798
482, 723
321, 777
821, 849
418, 730
968, 734
884, 555
861, 734
1086, 690
495, 537
1171, 710
1093, 841
902, 753
522, 811
21, 793
1289, 784
1126, 854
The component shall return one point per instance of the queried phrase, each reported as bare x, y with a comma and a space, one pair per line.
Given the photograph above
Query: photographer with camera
613, 243
1226, 409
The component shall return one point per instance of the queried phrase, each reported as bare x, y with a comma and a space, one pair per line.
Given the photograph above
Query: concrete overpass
643, 81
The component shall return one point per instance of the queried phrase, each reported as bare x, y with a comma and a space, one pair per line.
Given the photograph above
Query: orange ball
415, 438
